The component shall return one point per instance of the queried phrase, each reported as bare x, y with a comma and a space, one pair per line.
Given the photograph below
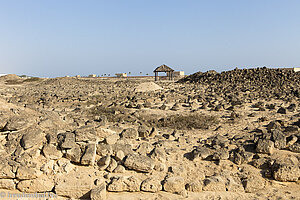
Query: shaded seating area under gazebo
164, 68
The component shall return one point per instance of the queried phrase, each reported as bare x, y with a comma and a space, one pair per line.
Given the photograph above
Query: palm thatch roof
163, 68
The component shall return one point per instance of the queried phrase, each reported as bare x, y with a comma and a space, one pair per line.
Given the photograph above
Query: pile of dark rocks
272, 82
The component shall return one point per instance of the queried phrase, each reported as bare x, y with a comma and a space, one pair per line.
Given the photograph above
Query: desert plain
229, 135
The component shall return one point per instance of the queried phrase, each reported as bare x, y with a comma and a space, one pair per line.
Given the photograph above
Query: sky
50, 38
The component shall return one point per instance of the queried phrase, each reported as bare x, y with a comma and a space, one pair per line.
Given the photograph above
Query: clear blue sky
68, 37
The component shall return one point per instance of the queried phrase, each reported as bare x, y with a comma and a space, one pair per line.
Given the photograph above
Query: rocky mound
255, 76
10, 77
147, 87
269, 82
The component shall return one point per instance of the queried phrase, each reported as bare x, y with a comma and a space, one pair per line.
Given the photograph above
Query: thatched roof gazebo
164, 68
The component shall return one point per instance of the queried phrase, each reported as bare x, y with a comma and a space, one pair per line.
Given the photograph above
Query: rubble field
229, 135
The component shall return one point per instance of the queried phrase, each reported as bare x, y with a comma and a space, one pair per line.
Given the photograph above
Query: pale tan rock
6, 171
51, 152
124, 184
89, 155
151, 185
99, 193
76, 184
7, 184
139, 163
40, 184
194, 186
174, 184
26, 173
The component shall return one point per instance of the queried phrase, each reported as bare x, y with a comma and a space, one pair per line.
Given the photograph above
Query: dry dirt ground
93, 138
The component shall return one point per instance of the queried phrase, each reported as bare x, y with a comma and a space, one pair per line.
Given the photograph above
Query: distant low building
77, 76
178, 73
92, 75
3, 74
296, 69
121, 75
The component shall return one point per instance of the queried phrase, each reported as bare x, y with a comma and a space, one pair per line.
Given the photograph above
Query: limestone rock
139, 163
104, 162
99, 193
151, 185
74, 154
124, 184
51, 152
214, 183
286, 169
31, 138
265, 146
75, 185
6, 171
7, 184
112, 165
25, 173
194, 186
174, 185
41, 184
112, 139
130, 133
89, 155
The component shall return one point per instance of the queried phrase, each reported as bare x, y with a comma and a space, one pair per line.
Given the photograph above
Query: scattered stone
214, 183
41, 184
265, 146
7, 184
112, 165
25, 173
139, 163
286, 169
124, 184
99, 193
194, 186
89, 155
151, 185
74, 154
120, 169
51, 152
112, 139
174, 185
31, 138
130, 133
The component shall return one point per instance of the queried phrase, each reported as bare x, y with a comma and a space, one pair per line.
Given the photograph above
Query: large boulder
265, 146
124, 184
286, 169
76, 184
130, 133
31, 138
214, 183
6, 171
51, 152
151, 185
99, 193
40, 184
26, 173
7, 184
89, 155
174, 184
139, 163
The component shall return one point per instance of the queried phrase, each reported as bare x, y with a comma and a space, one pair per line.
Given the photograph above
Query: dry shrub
33, 79
13, 82
20, 81
113, 113
192, 121
181, 122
